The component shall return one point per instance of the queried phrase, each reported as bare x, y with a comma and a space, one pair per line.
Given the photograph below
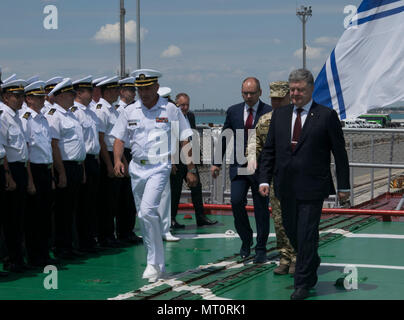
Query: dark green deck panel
119, 271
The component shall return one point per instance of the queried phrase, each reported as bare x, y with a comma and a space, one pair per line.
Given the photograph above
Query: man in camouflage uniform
279, 97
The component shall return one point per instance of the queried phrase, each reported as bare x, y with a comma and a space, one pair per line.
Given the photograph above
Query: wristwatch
193, 170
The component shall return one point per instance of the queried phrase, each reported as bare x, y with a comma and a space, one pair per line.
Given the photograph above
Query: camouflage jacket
256, 141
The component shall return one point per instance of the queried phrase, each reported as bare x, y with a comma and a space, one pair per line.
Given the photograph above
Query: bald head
251, 91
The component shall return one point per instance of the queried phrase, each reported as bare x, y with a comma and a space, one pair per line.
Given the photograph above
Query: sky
205, 48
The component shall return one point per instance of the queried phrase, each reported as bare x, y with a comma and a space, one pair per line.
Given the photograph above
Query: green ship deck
205, 265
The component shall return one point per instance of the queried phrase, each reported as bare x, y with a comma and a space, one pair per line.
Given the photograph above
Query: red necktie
297, 129
249, 122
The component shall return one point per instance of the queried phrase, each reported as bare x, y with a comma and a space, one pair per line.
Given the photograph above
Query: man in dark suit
297, 156
241, 118
179, 172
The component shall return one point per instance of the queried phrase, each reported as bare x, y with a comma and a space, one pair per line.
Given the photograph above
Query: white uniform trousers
165, 209
148, 183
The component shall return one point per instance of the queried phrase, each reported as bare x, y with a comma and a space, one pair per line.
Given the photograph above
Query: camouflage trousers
283, 244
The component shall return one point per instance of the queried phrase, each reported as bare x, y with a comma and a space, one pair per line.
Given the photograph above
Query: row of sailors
55, 144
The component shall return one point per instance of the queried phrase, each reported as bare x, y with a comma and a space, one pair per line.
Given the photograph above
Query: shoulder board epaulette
1, 111
74, 108
26, 115
52, 111
99, 106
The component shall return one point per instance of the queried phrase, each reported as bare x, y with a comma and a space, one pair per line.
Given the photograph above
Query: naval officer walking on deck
147, 125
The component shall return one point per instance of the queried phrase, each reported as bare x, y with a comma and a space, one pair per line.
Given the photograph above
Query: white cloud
110, 33
276, 41
311, 53
171, 51
332, 41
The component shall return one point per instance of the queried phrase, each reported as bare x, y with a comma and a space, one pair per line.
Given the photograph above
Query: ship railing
376, 159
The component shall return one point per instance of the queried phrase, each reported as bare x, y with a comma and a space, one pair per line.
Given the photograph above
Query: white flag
366, 68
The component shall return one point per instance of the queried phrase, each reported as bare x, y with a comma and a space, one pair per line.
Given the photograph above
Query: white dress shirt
15, 138
67, 129
37, 130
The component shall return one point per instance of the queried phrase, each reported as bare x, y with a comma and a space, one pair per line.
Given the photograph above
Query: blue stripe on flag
337, 85
381, 15
321, 92
371, 4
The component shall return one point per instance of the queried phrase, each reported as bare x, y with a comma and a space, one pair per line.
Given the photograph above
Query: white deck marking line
345, 233
371, 266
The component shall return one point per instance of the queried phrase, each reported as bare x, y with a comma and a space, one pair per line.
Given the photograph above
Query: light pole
303, 14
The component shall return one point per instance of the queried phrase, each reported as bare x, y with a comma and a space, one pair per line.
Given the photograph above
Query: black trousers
126, 214
66, 201
108, 202
301, 220
2, 187
176, 181
86, 218
13, 226
38, 214
239, 190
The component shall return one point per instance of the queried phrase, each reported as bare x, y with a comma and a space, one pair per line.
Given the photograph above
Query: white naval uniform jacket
149, 132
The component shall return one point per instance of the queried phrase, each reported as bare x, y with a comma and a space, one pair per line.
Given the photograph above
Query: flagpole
122, 33
138, 32
303, 14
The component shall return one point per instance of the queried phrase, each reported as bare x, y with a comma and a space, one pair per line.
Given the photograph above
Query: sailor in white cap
87, 209
10, 78
96, 91
69, 153
147, 125
110, 185
49, 101
28, 82
126, 215
16, 148
39, 199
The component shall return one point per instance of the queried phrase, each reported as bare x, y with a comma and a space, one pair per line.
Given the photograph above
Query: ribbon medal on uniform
162, 120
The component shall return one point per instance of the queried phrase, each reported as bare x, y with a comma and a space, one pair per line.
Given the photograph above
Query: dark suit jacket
191, 118
235, 120
304, 173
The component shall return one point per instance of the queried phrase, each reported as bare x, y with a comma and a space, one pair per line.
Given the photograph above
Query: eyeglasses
245, 93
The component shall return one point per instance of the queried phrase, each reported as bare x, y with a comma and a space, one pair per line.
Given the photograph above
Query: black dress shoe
14, 267
300, 294
176, 225
3, 274
205, 221
245, 249
131, 239
260, 257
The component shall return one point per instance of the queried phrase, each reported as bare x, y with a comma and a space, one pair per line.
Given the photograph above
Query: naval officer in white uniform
69, 153
39, 199
149, 124
15, 168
